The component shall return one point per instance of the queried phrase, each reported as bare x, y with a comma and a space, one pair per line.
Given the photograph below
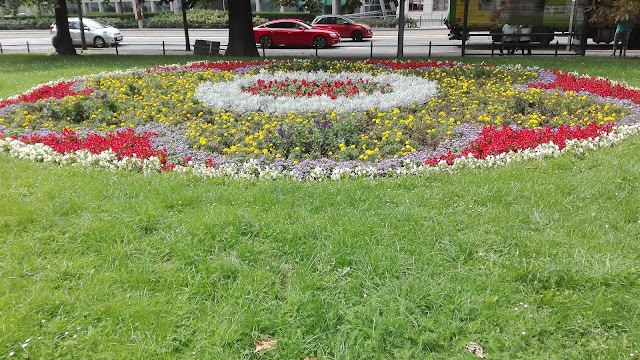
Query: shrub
278, 15
197, 19
111, 15
387, 22
18, 24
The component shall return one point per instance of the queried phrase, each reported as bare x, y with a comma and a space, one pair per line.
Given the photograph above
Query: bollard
556, 51
316, 46
429, 48
0, 48
371, 56
28, 52
116, 45
163, 50
262, 46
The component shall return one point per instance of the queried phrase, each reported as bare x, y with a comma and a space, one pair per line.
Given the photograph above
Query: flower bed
315, 119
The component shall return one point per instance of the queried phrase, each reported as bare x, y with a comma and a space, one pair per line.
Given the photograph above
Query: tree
350, 6
401, 23
184, 4
185, 25
241, 40
614, 10
314, 7
11, 6
62, 40
138, 12
188, 4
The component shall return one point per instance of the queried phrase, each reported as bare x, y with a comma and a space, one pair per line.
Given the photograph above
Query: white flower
407, 90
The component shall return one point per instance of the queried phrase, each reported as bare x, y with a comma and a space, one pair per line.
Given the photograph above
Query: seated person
525, 38
509, 37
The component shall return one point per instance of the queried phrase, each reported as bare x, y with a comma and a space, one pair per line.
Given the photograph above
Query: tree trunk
401, 24
241, 40
185, 25
62, 40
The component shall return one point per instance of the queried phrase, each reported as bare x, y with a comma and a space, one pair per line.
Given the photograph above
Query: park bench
513, 38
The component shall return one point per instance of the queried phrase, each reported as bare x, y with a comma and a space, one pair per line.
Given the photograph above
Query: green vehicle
545, 17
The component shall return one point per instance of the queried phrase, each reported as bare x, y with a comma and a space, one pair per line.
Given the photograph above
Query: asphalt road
172, 41
430, 41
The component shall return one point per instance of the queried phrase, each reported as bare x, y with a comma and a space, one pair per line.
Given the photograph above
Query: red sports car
293, 32
346, 27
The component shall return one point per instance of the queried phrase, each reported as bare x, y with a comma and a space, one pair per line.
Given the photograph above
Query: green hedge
388, 22
197, 19
26, 23
278, 15
119, 22
110, 15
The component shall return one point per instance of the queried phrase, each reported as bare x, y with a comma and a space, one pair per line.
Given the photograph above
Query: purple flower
175, 142
246, 69
323, 124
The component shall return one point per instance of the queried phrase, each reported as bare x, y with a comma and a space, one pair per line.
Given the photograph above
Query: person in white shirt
509, 37
525, 38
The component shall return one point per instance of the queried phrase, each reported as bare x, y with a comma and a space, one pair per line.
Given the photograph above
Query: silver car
95, 32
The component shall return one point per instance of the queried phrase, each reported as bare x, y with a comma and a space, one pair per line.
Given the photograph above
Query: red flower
492, 141
210, 163
602, 87
125, 143
414, 64
56, 91
210, 65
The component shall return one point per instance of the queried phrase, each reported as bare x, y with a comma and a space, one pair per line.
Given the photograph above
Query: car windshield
347, 20
306, 24
93, 24
333, 20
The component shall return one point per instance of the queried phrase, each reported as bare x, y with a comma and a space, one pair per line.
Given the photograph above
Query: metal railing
422, 21
534, 46
355, 50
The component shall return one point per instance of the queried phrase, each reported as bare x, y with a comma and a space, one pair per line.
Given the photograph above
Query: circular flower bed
314, 120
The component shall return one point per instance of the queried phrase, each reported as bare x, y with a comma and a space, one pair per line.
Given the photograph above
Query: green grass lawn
532, 261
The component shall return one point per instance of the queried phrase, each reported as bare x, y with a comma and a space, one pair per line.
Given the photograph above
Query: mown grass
534, 260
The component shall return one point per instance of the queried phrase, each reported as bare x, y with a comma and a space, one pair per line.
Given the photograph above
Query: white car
95, 32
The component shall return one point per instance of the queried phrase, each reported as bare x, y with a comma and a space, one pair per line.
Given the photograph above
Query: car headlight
334, 35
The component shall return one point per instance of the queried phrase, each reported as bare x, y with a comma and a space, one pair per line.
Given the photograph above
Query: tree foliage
614, 10
316, 7
11, 6
350, 6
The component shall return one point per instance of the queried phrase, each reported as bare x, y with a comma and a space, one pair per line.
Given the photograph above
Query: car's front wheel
357, 35
99, 42
319, 42
266, 42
